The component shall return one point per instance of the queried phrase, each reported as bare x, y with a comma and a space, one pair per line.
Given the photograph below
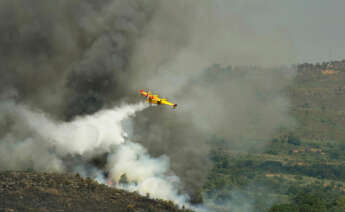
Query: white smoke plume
84, 134
47, 142
145, 174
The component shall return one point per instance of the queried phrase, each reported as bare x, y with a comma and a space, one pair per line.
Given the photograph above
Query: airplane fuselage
154, 99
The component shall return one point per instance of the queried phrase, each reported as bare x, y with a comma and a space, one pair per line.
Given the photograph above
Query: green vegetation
305, 201
300, 170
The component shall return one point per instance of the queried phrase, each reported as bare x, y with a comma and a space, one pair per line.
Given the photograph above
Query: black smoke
71, 58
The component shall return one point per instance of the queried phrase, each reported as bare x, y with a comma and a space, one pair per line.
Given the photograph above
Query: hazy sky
315, 28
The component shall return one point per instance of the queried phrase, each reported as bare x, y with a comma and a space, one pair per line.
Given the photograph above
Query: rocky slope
31, 191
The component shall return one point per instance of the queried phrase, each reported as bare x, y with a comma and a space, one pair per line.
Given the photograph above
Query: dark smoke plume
72, 58
69, 58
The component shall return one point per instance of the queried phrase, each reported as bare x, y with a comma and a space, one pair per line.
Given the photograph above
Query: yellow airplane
154, 99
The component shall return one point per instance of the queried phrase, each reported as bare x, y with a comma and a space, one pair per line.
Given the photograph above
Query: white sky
315, 28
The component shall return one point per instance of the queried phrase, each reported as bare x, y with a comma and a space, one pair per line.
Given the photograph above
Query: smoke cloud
85, 136
66, 64
146, 175
242, 100
49, 144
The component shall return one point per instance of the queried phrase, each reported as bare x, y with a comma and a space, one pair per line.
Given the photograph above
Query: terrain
31, 191
301, 169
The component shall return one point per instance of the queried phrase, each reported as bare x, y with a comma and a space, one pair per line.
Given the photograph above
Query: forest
301, 169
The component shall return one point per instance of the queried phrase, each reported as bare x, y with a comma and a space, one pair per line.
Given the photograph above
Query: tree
123, 179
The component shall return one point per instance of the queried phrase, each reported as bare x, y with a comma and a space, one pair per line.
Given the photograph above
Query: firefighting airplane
154, 99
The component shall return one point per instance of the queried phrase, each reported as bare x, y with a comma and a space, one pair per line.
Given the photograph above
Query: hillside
303, 166
318, 101
31, 191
